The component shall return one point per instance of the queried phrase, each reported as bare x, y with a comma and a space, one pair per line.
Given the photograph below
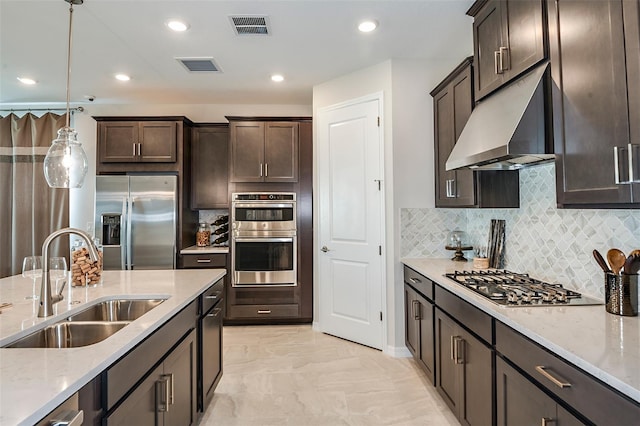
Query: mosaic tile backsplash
551, 244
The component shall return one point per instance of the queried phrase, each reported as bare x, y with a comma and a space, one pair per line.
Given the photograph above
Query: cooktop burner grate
516, 289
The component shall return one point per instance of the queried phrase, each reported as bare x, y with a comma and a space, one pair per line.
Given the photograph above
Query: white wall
82, 200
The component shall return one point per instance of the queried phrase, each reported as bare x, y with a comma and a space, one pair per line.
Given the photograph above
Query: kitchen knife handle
560, 383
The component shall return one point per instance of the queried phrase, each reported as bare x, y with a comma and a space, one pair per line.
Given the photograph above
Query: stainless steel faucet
47, 300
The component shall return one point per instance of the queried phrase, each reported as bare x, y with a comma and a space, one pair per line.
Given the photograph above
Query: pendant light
66, 164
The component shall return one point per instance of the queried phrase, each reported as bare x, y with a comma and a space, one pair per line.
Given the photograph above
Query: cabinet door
247, 151
281, 152
489, 35
589, 99
140, 407
180, 367
211, 350
210, 168
474, 360
452, 108
525, 32
518, 401
158, 141
411, 324
426, 358
447, 371
117, 141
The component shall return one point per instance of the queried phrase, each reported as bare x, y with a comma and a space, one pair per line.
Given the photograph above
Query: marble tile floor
293, 375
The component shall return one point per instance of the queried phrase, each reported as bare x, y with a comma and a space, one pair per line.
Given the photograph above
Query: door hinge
378, 121
380, 250
380, 315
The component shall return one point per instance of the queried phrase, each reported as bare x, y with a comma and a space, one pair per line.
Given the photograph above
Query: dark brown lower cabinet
167, 395
463, 372
419, 329
520, 402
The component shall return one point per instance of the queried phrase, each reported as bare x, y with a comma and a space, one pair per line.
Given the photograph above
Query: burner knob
512, 298
547, 297
527, 298
561, 297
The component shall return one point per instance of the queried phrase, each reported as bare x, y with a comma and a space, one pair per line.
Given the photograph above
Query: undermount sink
69, 334
116, 310
89, 326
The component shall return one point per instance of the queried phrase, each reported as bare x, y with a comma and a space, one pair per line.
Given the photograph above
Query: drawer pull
543, 370
264, 311
203, 260
215, 296
415, 280
546, 421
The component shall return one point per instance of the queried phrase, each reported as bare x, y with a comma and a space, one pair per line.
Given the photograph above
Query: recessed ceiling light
26, 80
277, 78
123, 77
177, 26
368, 26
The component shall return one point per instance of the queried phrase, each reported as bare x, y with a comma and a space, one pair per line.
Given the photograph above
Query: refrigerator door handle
129, 243
123, 247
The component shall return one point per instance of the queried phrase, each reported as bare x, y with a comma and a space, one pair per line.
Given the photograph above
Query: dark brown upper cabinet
137, 142
452, 106
210, 166
508, 39
595, 68
264, 151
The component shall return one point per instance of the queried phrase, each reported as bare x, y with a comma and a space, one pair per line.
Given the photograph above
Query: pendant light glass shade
66, 164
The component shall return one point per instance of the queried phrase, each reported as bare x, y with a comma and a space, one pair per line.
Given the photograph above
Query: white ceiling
312, 41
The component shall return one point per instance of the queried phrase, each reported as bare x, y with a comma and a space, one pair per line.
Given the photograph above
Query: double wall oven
263, 239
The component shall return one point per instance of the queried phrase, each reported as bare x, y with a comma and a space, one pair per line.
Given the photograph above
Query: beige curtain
29, 209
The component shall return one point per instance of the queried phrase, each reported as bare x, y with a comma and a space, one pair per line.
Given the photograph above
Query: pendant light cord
69, 60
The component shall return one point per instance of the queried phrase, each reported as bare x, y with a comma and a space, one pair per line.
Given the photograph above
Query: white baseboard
398, 351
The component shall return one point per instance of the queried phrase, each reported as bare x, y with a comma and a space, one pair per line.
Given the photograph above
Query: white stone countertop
605, 345
204, 250
35, 381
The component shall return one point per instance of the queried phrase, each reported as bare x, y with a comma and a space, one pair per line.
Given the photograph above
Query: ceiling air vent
250, 24
199, 64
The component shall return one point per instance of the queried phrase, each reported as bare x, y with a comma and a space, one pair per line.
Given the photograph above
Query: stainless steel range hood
507, 130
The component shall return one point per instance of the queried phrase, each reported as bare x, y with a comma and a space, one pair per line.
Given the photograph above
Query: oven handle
266, 204
263, 240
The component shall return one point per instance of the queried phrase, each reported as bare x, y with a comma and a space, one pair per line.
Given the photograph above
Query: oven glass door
264, 261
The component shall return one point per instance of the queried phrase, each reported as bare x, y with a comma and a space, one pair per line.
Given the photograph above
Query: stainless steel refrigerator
136, 218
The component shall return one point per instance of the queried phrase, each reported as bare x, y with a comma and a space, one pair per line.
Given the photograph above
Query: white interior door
350, 206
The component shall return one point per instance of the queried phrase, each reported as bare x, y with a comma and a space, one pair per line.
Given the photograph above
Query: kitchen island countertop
33, 382
606, 346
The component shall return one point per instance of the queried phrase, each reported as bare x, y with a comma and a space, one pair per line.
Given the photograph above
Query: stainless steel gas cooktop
513, 289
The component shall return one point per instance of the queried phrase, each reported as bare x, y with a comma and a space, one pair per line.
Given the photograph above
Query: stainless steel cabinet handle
452, 348
203, 260
134, 149
416, 310
215, 312
560, 383
415, 280
69, 418
266, 169
139, 149
214, 296
260, 169
504, 53
496, 61
162, 394
546, 421
459, 350
264, 311
454, 188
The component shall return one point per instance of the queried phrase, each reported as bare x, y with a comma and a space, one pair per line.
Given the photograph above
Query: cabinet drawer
465, 313
419, 282
126, 372
588, 396
212, 296
264, 311
204, 260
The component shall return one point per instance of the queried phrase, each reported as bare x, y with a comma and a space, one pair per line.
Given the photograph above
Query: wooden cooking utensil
616, 260
601, 262
632, 264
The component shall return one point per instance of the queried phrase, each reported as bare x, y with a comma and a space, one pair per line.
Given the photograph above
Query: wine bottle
221, 230
221, 220
221, 239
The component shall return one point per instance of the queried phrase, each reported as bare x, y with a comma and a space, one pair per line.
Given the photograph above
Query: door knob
324, 249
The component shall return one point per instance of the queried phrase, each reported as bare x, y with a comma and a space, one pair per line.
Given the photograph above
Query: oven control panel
262, 196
